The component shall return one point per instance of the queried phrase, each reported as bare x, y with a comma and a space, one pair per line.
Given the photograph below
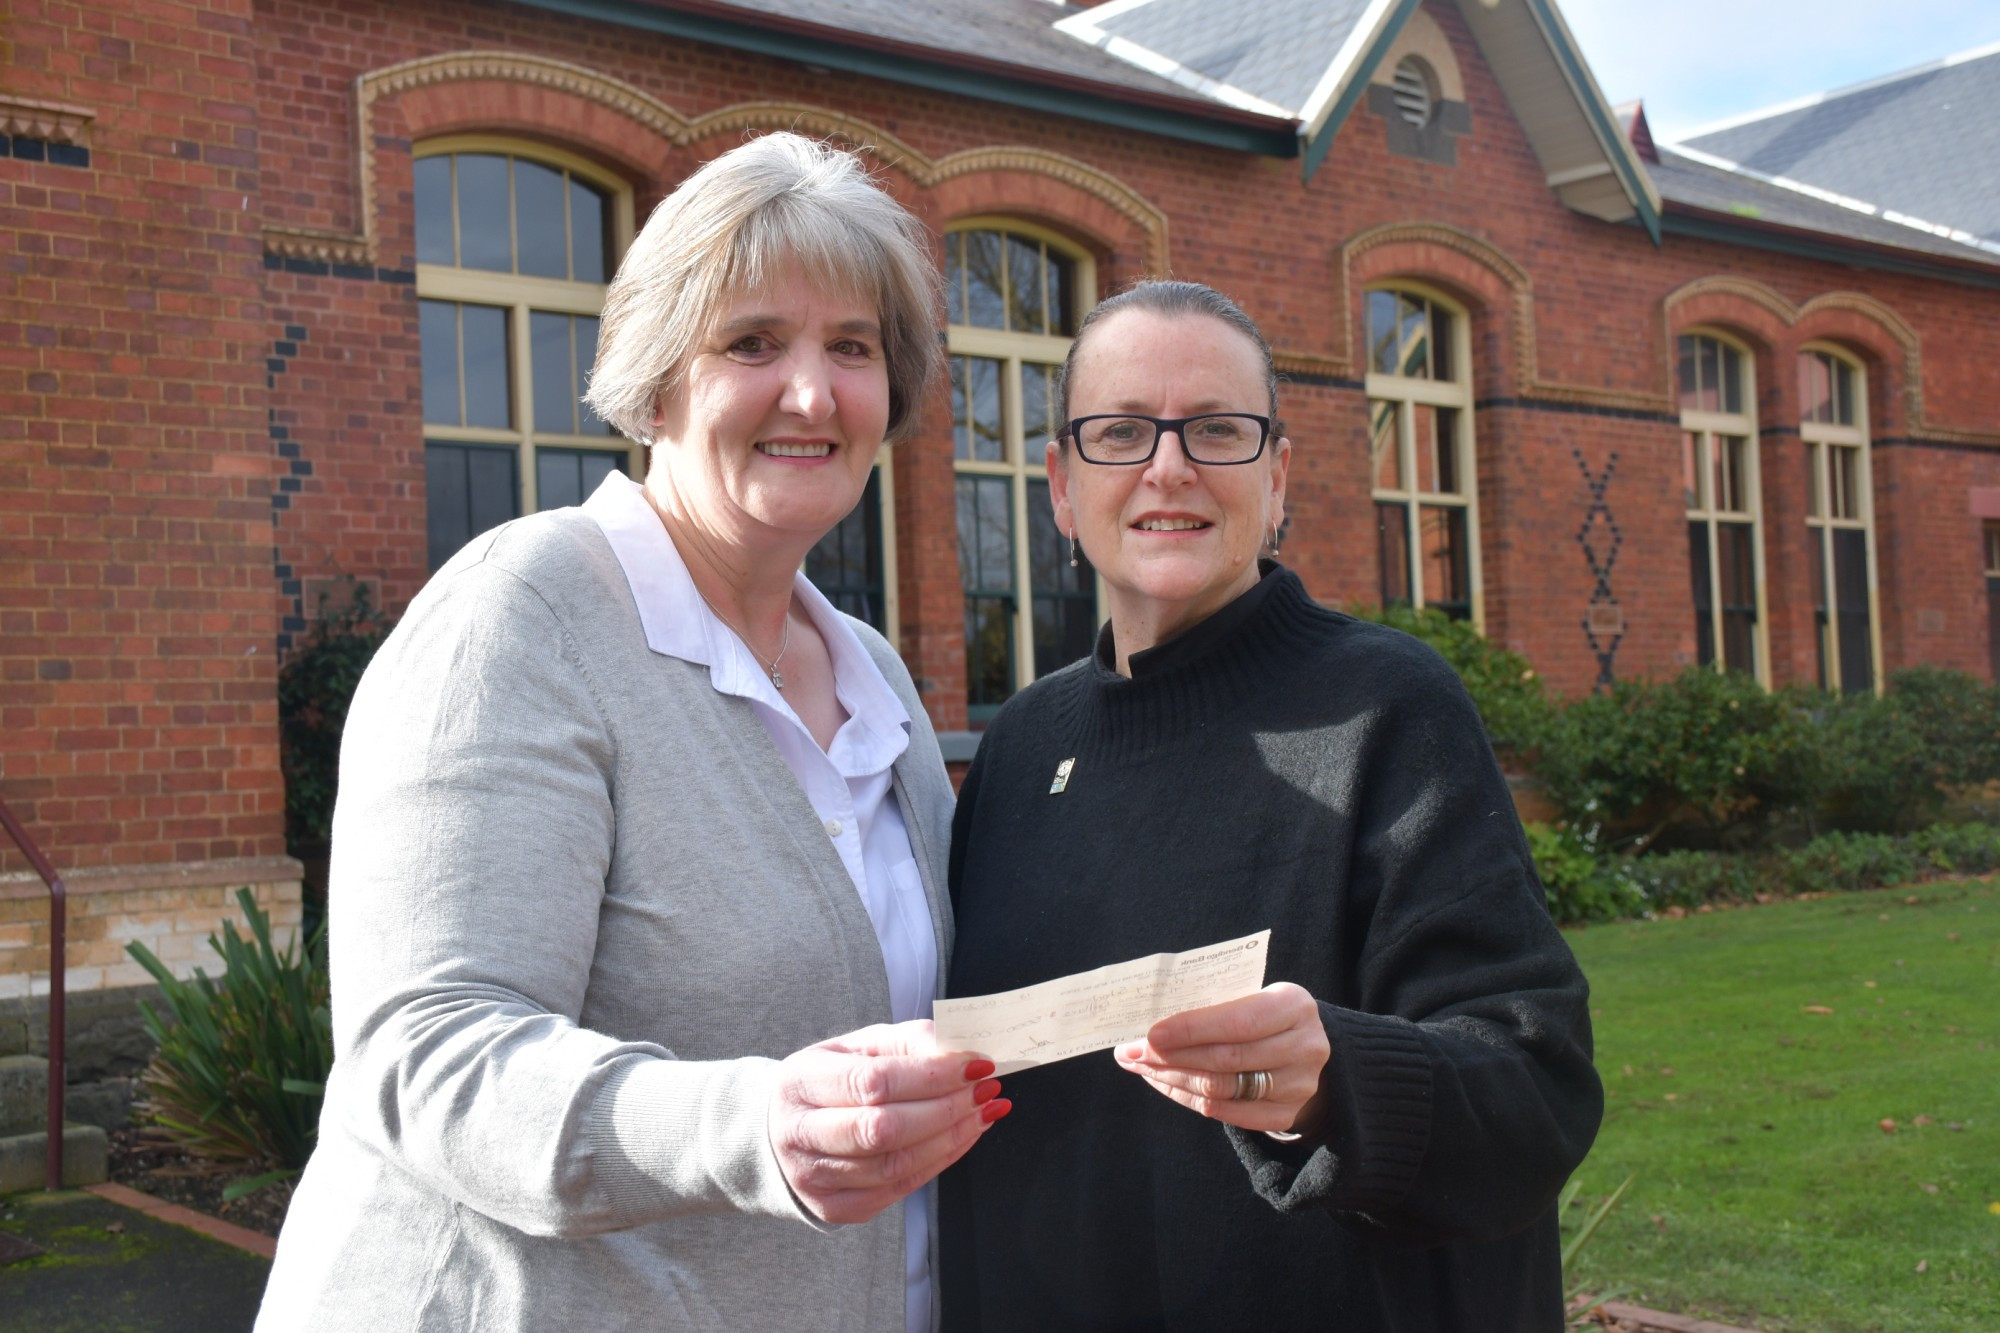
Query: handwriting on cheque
1099, 1009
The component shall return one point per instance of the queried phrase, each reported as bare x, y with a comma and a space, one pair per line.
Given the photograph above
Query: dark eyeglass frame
1161, 425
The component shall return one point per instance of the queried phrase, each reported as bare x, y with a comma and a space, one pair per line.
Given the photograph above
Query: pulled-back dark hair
1164, 296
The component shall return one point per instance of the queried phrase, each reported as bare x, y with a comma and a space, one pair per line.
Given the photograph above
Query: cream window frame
1820, 438
1026, 462
1408, 393
1707, 427
519, 295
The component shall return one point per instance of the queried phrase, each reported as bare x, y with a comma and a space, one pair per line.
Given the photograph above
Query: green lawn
1768, 1191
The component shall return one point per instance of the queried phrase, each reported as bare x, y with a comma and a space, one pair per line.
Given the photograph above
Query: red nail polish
993, 1110
985, 1091
978, 1069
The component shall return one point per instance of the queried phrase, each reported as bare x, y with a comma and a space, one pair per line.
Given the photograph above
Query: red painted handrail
52, 1170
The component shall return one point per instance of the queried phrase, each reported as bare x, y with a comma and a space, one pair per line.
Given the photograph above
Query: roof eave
1735, 229
1214, 125
1619, 153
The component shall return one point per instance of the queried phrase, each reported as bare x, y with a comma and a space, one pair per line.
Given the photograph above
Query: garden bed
142, 1160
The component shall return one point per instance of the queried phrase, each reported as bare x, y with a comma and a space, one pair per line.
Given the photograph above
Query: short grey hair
733, 225
1173, 299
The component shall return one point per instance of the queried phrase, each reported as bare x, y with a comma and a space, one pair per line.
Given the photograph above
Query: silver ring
1253, 1085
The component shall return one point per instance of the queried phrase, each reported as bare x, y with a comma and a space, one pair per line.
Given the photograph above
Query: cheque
1098, 1009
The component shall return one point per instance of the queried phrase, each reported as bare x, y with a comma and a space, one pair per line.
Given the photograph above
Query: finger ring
1253, 1085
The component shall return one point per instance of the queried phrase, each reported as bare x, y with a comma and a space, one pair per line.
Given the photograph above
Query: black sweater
1287, 766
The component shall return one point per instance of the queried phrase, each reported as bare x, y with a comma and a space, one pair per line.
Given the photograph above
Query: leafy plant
1573, 1290
1846, 861
315, 687
1890, 758
1503, 686
1687, 879
239, 1071
1578, 884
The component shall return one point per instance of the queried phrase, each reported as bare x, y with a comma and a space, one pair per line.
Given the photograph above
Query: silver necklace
784, 642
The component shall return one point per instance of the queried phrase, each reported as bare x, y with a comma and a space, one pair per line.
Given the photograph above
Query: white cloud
1696, 61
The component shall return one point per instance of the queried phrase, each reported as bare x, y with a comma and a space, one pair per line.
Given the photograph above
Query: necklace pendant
777, 679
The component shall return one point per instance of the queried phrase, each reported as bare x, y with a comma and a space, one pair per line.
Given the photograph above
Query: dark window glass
954, 277
1446, 585
437, 340
1065, 596
1440, 342
1738, 581
568, 476
1382, 333
1413, 338
1732, 379
1815, 395
485, 236
1843, 392
1392, 529
1388, 451
538, 220
1850, 594
553, 365
846, 564
1704, 593
488, 395
468, 489
434, 224
975, 409
584, 331
1822, 618
1038, 406
986, 568
1993, 627
589, 220
1691, 469
1062, 287
985, 299
1027, 306
1687, 376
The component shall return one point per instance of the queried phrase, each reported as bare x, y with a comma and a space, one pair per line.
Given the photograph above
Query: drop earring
1274, 538
1074, 563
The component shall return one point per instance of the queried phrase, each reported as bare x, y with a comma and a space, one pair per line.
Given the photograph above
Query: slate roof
1275, 50
1925, 143
1685, 183
1011, 32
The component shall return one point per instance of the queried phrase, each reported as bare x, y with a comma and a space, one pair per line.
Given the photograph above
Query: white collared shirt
847, 784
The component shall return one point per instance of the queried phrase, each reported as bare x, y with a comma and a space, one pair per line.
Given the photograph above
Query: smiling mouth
1170, 524
775, 449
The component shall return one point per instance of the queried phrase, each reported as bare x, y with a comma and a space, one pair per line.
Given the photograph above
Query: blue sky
1698, 61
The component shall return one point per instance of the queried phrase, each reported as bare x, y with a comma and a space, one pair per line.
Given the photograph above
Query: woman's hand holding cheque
1208, 1059
862, 1120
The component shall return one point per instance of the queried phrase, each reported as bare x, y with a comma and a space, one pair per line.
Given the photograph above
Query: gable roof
1920, 148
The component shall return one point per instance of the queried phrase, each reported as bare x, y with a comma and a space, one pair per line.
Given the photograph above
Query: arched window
1840, 516
514, 247
1720, 484
1014, 296
1420, 453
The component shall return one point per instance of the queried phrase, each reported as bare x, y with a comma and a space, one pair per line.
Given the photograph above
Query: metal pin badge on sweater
1062, 776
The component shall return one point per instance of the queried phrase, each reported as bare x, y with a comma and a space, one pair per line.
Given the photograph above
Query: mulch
143, 1160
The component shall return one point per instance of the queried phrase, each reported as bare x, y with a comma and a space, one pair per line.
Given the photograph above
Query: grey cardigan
580, 907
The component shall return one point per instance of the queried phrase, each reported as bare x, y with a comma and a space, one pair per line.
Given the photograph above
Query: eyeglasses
1216, 439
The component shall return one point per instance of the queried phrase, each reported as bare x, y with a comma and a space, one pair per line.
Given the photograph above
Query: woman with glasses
1374, 1140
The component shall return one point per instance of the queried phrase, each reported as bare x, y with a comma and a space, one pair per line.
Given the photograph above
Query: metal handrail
52, 1162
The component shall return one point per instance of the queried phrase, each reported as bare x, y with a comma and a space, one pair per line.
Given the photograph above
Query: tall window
1840, 518
855, 563
1420, 425
1991, 533
513, 252
1719, 481
1014, 297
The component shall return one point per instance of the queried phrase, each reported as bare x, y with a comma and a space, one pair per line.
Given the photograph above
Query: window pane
985, 561
1704, 593
1691, 469
954, 277
1728, 489
1382, 333
1685, 374
568, 476
1437, 452
1038, 406
538, 220
1065, 602
1027, 310
488, 395
1413, 338
1815, 394
985, 304
583, 329
1843, 393
1709, 398
1732, 380
552, 367
587, 234
975, 409
1388, 453
1443, 560
484, 240
468, 489
1811, 455
437, 340
846, 564
1737, 581
1822, 616
1441, 343
1062, 290
433, 181
1850, 593
1842, 481
1392, 533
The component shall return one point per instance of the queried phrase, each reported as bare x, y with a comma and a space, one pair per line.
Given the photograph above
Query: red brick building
301, 292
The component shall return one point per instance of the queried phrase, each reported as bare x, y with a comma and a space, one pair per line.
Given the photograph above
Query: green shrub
315, 687
1706, 746
239, 1072
1688, 879
1504, 688
1888, 758
1577, 883
1846, 861
1958, 849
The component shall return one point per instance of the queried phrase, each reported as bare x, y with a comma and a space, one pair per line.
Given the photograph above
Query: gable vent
1412, 87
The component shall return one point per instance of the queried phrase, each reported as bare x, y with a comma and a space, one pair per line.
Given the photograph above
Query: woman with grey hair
632, 823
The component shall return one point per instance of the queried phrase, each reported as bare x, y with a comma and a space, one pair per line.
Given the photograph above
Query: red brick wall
1572, 321
137, 621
